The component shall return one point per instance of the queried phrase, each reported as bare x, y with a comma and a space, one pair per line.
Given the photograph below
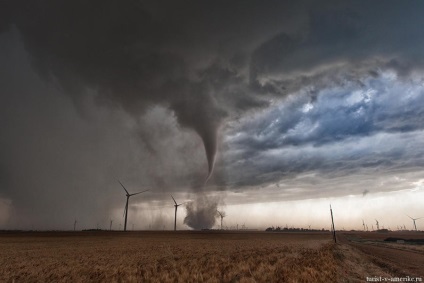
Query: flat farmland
166, 257
183, 256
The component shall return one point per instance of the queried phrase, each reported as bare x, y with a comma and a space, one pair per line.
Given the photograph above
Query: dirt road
396, 261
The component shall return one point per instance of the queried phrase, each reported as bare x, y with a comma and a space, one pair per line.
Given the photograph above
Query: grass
168, 257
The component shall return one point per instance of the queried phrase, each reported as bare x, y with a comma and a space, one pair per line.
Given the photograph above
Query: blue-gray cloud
379, 104
376, 126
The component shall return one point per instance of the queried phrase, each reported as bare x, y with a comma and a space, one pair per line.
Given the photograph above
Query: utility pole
334, 229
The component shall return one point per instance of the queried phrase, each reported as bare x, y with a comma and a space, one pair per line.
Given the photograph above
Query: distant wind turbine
222, 215
75, 224
363, 223
376, 222
176, 207
110, 226
413, 219
126, 205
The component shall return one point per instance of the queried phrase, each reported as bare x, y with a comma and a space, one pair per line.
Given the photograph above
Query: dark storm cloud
336, 33
173, 66
134, 54
117, 51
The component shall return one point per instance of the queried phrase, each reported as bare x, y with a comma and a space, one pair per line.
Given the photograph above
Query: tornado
197, 110
201, 213
209, 141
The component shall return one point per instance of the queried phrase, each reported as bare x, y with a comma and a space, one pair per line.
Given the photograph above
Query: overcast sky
269, 111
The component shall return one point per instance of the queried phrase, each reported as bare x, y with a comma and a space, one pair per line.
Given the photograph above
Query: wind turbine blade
173, 200
138, 193
123, 187
409, 216
182, 203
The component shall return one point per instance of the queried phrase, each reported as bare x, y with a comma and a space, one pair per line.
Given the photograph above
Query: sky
267, 111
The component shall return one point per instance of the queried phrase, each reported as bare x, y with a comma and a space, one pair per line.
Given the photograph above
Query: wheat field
167, 257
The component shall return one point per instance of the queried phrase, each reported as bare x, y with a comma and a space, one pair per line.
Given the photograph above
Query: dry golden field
188, 256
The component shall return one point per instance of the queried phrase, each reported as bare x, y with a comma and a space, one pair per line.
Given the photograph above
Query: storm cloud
167, 95
368, 131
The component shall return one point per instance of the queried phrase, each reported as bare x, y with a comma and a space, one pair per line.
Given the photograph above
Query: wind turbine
176, 207
126, 205
378, 227
222, 215
413, 219
75, 224
110, 226
363, 223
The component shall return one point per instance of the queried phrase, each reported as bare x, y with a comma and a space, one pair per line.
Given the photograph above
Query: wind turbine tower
110, 226
413, 219
75, 224
126, 205
176, 207
376, 222
363, 224
222, 215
